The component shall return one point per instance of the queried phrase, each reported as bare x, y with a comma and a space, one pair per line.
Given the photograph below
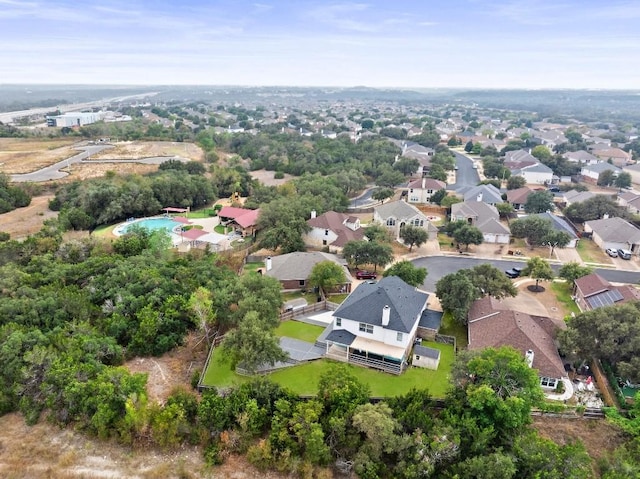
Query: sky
375, 43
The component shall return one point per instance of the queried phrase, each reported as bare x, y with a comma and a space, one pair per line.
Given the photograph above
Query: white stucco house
332, 229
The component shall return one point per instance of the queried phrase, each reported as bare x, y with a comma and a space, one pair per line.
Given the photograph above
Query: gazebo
173, 209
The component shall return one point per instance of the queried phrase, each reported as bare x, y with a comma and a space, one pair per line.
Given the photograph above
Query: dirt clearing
267, 178
84, 171
19, 155
135, 150
26, 221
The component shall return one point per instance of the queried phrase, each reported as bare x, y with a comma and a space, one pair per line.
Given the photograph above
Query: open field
21, 155
135, 150
26, 221
84, 171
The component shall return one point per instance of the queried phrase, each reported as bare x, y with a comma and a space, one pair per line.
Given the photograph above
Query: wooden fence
311, 308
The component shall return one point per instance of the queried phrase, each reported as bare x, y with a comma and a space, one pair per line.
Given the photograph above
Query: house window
324, 242
429, 192
414, 199
338, 321
302, 281
366, 328
399, 337
548, 382
417, 222
391, 222
417, 358
326, 232
411, 190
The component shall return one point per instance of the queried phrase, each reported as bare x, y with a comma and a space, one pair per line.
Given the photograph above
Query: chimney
386, 313
424, 182
269, 265
528, 357
313, 214
479, 197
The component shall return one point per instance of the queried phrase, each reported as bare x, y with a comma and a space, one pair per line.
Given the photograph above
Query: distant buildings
74, 119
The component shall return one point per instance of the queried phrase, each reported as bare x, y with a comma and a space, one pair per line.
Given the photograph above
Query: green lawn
591, 252
304, 379
451, 327
203, 213
252, 267
563, 293
310, 297
298, 330
102, 231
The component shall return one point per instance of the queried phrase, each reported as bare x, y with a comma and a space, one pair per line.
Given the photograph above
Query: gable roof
591, 284
522, 332
519, 195
518, 156
580, 155
365, 304
426, 351
398, 209
429, 184
558, 223
244, 217
598, 292
335, 222
615, 230
487, 216
575, 196
298, 265
600, 167
490, 194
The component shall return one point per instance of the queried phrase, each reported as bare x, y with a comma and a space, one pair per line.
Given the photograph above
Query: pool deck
208, 225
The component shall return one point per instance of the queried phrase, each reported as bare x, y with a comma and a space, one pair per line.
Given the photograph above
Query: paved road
439, 266
466, 175
54, 172
364, 199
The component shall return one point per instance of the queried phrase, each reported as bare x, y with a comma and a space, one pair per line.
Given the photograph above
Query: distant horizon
346, 87
489, 44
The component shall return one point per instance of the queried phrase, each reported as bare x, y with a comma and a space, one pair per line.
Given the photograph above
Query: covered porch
341, 345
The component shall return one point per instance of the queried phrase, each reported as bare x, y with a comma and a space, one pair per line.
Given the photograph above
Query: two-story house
421, 190
397, 214
376, 326
333, 229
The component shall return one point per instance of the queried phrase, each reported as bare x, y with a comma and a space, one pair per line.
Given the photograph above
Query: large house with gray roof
397, 214
591, 173
614, 233
484, 217
488, 194
377, 325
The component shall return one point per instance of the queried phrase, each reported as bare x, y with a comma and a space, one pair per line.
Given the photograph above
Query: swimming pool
152, 224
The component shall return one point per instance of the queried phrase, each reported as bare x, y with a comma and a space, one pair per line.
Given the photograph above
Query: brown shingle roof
519, 195
591, 284
522, 332
335, 222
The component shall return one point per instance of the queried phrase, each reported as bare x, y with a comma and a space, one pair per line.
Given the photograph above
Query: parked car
612, 252
361, 274
517, 269
624, 253
512, 273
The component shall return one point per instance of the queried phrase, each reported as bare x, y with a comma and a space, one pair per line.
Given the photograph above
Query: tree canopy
407, 272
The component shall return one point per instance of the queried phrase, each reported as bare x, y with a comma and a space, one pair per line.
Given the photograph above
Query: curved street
466, 174
439, 266
54, 172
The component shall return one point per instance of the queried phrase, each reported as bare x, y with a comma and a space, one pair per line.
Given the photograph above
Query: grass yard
450, 327
563, 294
220, 229
298, 330
304, 379
252, 267
310, 297
591, 252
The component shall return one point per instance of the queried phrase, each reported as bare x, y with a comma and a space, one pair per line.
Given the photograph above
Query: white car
612, 252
